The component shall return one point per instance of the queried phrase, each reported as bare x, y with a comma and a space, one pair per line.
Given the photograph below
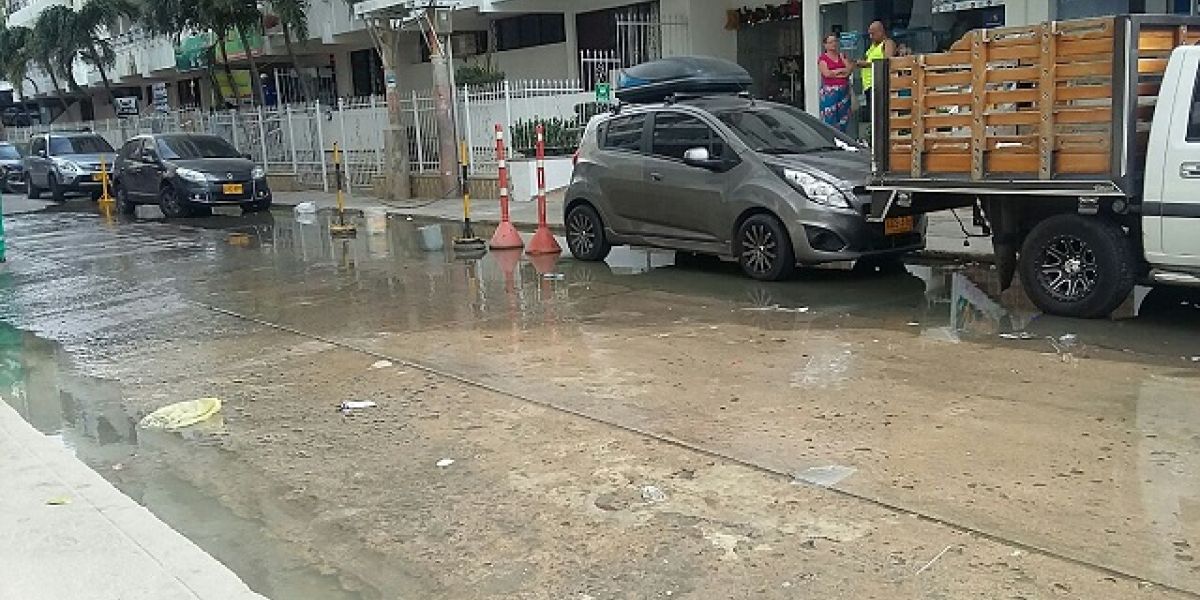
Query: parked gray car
64, 163
758, 182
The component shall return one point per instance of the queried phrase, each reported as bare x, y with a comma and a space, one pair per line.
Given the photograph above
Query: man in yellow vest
881, 47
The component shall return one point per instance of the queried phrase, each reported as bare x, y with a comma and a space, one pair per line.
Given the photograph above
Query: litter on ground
181, 414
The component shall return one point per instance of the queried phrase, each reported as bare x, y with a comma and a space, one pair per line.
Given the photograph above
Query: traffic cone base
543, 242
506, 237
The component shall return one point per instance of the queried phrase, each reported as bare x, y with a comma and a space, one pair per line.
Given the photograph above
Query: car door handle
1190, 170
656, 176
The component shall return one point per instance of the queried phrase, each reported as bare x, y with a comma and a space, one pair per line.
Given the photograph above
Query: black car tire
1077, 266
172, 206
124, 206
31, 191
56, 192
763, 249
585, 234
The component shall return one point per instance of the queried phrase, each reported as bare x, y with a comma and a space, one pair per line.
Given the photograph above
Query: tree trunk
305, 90
237, 96
398, 182
112, 96
444, 113
255, 82
62, 96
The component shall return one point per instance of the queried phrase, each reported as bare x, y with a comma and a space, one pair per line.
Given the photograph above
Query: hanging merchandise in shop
748, 17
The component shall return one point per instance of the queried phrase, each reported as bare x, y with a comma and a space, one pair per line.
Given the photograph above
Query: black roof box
654, 81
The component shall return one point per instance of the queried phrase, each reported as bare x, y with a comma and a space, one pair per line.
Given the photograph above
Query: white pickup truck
1076, 142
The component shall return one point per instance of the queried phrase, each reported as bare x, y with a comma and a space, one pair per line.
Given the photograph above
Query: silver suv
762, 183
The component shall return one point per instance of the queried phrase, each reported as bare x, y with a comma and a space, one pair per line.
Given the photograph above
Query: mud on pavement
615, 434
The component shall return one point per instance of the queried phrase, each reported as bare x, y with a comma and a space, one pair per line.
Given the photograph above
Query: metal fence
297, 139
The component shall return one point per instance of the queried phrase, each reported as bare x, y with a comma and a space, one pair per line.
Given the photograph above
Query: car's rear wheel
31, 191
585, 234
764, 250
56, 191
173, 207
1077, 266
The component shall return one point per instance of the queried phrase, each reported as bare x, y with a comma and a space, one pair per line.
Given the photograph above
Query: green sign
192, 53
603, 93
233, 44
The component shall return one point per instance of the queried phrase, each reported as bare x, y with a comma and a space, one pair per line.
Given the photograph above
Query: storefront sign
234, 48
127, 106
603, 93
162, 103
945, 6
850, 41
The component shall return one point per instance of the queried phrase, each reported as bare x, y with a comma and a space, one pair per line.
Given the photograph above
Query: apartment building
776, 41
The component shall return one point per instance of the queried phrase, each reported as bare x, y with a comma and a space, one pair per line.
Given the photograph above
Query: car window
780, 129
675, 133
193, 147
1193, 128
83, 144
9, 152
625, 133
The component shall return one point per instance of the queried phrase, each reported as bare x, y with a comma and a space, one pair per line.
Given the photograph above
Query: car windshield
9, 152
83, 144
779, 129
193, 147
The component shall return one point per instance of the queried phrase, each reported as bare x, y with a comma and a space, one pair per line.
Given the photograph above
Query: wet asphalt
925, 391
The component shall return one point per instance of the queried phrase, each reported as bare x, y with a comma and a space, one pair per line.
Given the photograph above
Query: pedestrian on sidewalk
835, 84
882, 47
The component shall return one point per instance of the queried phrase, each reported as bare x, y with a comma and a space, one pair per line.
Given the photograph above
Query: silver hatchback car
762, 183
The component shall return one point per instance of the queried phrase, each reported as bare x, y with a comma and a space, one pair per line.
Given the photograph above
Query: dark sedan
187, 174
12, 164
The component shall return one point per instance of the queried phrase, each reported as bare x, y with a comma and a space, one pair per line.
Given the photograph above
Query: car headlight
816, 189
66, 166
258, 173
191, 175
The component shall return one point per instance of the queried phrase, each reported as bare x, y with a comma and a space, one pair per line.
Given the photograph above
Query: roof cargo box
655, 80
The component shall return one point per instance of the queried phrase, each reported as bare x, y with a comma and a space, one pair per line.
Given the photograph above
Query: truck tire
1077, 266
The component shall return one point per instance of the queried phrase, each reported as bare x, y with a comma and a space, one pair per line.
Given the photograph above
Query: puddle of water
86, 415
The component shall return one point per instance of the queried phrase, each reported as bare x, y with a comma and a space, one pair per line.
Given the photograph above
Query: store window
527, 31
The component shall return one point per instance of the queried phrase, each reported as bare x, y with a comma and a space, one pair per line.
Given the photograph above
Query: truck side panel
1171, 206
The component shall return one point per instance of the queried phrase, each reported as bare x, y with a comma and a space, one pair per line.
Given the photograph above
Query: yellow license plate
232, 189
897, 225
97, 177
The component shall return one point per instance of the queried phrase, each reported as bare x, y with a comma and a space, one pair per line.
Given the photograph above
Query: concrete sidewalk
100, 544
945, 237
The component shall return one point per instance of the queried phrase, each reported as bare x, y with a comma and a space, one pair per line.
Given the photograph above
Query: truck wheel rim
759, 248
1068, 269
581, 234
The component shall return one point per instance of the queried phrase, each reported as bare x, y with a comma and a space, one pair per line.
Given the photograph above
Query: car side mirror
699, 157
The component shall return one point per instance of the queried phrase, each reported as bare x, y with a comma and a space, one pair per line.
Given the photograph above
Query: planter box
523, 172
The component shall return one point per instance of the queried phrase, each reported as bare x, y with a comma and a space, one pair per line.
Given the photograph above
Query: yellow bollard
105, 197
467, 245
341, 228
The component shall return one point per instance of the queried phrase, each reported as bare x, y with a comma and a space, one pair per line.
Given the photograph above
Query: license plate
897, 225
232, 189
97, 177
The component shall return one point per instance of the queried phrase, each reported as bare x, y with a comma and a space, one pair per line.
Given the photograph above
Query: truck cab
1171, 194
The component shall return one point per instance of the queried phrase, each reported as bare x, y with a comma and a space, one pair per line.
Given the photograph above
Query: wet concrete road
829, 436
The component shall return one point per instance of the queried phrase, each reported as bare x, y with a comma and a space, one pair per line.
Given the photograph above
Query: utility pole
444, 105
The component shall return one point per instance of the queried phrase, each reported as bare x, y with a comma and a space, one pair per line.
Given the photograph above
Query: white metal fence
297, 139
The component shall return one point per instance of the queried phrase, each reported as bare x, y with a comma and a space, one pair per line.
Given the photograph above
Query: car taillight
575, 158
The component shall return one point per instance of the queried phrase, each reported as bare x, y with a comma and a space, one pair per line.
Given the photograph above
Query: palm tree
96, 20
14, 61
293, 18
53, 47
245, 18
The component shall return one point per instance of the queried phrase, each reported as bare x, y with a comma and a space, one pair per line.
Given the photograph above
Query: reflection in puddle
154, 468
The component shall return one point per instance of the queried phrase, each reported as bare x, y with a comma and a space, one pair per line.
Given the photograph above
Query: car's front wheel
764, 250
585, 234
173, 207
124, 205
31, 191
